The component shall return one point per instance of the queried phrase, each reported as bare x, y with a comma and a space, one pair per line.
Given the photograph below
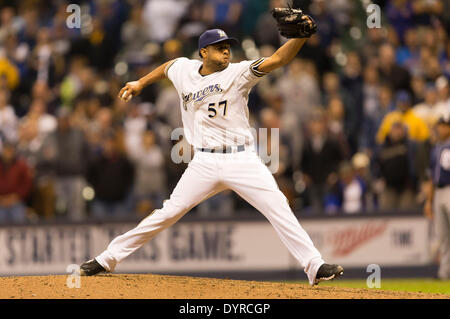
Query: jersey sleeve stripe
168, 67
254, 68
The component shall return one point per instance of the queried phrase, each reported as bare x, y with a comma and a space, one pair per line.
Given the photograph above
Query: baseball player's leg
442, 227
252, 180
197, 183
444, 267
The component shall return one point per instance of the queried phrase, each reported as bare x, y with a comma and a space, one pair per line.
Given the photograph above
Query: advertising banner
216, 246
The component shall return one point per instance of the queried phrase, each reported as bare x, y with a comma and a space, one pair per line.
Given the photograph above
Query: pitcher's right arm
133, 88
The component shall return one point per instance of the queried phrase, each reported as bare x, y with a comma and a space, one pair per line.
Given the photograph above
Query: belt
222, 149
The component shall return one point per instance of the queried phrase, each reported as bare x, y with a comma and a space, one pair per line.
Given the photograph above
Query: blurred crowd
356, 108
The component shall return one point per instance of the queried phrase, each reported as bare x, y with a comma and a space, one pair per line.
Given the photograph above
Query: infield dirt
134, 286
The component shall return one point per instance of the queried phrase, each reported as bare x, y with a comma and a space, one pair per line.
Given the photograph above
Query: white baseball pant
441, 211
206, 175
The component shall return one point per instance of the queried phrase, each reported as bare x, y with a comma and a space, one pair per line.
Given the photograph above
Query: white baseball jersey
215, 113
214, 107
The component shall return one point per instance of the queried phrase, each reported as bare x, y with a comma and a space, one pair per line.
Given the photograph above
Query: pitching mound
119, 286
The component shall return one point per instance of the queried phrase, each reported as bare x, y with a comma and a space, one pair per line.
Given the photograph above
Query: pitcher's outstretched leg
183, 198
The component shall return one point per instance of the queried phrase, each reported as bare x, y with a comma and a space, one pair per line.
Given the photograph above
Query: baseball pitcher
213, 102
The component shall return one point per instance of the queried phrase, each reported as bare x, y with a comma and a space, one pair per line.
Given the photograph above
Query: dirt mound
121, 286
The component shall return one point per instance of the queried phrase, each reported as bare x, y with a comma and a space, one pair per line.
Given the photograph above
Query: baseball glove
293, 23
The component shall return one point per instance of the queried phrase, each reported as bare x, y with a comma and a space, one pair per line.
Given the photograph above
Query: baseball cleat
91, 268
328, 272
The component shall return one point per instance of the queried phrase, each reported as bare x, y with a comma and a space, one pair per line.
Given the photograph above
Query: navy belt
221, 149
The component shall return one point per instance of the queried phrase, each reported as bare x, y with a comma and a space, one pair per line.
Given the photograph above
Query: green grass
411, 285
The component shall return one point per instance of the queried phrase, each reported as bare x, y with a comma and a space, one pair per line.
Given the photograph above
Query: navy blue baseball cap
214, 36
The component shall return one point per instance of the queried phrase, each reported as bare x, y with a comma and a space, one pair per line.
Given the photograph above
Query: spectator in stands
43, 59
15, 185
417, 129
371, 43
327, 20
320, 160
395, 169
396, 76
8, 118
101, 45
17, 53
266, 32
378, 102
336, 124
425, 110
34, 127
9, 22
223, 13
361, 163
135, 124
161, 18
299, 89
9, 72
341, 10
400, 14
445, 60
352, 81
429, 67
30, 25
424, 10
313, 50
100, 125
443, 93
418, 86
275, 147
150, 187
134, 37
71, 85
112, 177
408, 54
347, 194
65, 153
371, 105
331, 87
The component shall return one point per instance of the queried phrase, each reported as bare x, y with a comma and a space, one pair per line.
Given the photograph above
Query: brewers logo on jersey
214, 107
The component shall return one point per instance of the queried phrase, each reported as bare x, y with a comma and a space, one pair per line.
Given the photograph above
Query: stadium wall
245, 247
